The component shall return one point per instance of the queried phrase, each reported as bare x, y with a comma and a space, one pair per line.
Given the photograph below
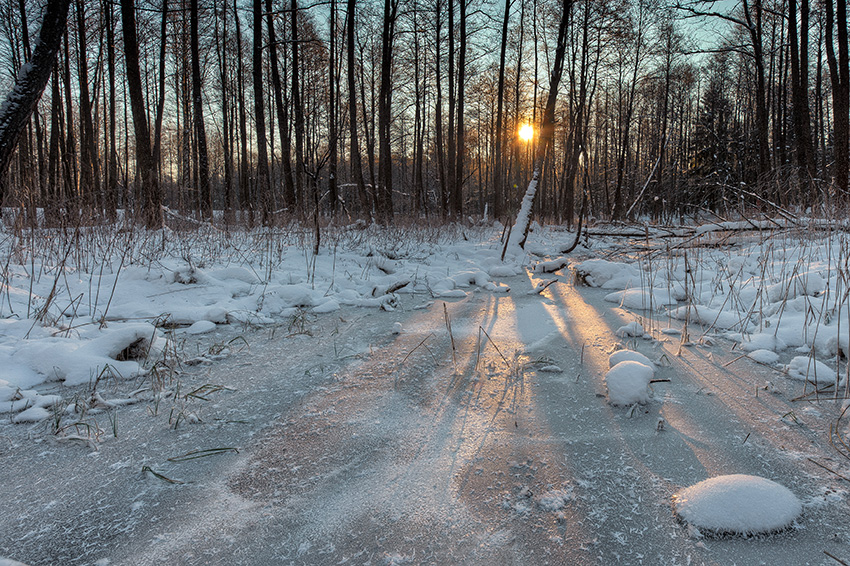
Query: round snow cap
737, 504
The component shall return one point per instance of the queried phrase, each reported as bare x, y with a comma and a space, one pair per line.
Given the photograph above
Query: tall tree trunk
198, 116
70, 144
418, 128
282, 114
354, 150
438, 115
263, 185
150, 191
385, 184
333, 94
220, 42
839, 75
160, 106
110, 186
799, 96
298, 109
245, 200
762, 125
457, 191
451, 134
89, 177
619, 208
498, 205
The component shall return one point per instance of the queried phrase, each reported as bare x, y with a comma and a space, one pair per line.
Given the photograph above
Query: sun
526, 132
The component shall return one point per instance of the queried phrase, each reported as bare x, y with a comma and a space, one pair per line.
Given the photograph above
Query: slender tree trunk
198, 115
385, 188
110, 185
89, 175
799, 96
498, 205
298, 109
619, 208
333, 94
70, 144
438, 115
245, 200
263, 185
220, 41
160, 107
150, 191
519, 233
457, 191
839, 75
451, 134
282, 114
354, 150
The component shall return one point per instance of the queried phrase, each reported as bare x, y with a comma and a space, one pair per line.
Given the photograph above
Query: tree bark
498, 205
146, 171
298, 110
839, 75
354, 150
457, 190
29, 85
282, 114
263, 185
198, 116
385, 184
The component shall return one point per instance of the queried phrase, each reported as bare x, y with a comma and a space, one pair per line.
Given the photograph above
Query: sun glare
526, 132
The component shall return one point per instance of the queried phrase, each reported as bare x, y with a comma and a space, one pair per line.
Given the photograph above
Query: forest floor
470, 429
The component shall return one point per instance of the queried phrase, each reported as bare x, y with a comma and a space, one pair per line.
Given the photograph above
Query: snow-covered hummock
764, 356
737, 504
608, 274
804, 368
628, 383
629, 355
631, 329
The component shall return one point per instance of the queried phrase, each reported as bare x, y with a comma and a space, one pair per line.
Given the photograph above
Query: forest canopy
272, 110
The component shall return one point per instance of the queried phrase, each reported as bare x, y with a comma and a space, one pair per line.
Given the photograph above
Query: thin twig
828, 469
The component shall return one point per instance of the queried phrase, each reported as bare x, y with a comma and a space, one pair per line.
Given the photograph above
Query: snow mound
629, 355
628, 383
607, 274
737, 504
631, 329
764, 356
804, 368
201, 327
643, 299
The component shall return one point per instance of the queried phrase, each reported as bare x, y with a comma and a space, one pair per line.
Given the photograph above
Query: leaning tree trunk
519, 232
29, 84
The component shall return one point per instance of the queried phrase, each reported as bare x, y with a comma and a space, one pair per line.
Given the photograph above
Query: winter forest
437, 282
274, 110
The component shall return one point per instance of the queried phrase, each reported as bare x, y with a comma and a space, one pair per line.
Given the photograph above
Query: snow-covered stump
628, 383
737, 504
